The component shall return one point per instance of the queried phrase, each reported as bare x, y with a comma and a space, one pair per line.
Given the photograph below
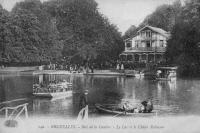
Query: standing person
70, 69
92, 68
117, 66
122, 67
66, 67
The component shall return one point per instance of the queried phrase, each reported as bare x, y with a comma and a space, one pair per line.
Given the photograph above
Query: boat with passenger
166, 73
60, 89
125, 110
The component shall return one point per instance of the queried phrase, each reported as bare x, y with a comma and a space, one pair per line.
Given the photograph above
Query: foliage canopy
43, 32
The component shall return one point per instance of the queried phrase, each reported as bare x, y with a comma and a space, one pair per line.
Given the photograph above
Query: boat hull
102, 109
54, 95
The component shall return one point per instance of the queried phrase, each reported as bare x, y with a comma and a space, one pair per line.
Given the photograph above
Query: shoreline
17, 69
34, 70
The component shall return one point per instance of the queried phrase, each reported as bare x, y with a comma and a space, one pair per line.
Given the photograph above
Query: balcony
146, 38
146, 49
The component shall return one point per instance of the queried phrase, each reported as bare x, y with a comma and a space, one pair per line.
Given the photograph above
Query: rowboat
62, 89
117, 111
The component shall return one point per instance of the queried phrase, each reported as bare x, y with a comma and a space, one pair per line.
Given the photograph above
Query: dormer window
143, 34
148, 34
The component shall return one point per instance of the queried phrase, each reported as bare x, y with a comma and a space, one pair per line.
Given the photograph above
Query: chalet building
148, 45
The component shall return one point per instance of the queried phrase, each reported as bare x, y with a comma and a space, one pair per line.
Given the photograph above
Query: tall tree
85, 32
164, 16
130, 32
183, 47
38, 36
43, 32
5, 35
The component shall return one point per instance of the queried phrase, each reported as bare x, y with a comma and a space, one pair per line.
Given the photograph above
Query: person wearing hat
148, 106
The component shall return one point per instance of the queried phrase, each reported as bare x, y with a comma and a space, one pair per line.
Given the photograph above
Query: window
148, 34
161, 43
129, 57
128, 45
136, 44
143, 34
148, 44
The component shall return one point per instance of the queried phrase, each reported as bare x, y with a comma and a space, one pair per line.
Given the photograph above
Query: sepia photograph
121, 66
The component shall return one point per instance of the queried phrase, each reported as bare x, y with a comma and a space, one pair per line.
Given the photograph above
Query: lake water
179, 97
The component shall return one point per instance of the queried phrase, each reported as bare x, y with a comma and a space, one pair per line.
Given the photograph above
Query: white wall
156, 43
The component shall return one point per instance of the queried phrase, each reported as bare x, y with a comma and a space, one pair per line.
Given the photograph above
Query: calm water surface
181, 97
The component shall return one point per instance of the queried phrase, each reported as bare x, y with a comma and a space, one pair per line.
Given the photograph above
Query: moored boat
166, 73
117, 111
61, 89
139, 75
134, 73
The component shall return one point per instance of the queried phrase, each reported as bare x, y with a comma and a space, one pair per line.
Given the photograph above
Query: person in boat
147, 106
139, 109
143, 107
129, 108
126, 107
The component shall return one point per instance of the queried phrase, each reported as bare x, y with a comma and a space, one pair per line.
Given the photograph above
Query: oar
119, 114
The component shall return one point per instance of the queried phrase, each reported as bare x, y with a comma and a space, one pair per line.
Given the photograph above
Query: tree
183, 47
85, 32
164, 16
130, 32
43, 32
5, 36
36, 37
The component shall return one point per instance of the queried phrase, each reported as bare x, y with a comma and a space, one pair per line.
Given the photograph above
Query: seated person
126, 107
143, 107
129, 108
148, 106
139, 109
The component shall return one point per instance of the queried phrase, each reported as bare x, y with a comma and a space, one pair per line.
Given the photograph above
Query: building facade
148, 45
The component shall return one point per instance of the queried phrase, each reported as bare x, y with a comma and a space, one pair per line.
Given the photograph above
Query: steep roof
155, 29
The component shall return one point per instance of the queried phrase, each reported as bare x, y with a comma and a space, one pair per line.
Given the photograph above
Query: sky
122, 13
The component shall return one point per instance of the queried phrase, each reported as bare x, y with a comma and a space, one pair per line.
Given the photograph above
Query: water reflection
184, 94
46, 107
166, 92
15, 86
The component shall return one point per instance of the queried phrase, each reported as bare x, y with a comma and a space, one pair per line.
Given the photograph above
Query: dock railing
13, 109
15, 112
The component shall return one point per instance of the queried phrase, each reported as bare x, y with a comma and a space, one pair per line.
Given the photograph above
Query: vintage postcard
99, 66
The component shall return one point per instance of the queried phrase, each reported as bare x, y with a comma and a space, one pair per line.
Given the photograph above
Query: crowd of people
118, 65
